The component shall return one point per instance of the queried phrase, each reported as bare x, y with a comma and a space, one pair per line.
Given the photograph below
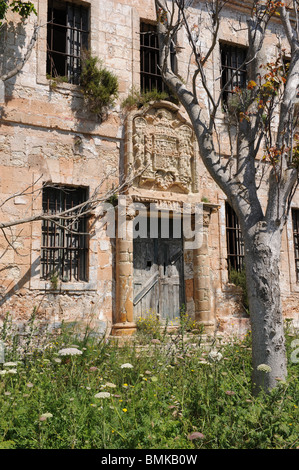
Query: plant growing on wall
138, 99
239, 279
99, 85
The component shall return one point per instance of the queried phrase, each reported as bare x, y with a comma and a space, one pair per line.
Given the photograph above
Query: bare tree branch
81, 210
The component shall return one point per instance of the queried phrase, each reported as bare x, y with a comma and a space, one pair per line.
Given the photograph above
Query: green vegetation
178, 391
239, 279
24, 9
99, 85
55, 81
138, 99
54, 281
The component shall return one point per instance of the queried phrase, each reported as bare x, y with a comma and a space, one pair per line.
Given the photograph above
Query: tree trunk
262, 261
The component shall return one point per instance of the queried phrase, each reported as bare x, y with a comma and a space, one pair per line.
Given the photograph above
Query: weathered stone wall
46, 134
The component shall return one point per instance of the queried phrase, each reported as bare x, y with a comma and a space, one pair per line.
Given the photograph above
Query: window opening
234, 240
232, 59
67, 37
64, 247
150, 73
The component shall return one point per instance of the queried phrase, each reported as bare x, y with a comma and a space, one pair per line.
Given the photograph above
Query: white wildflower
102, 395
264, 368
126, 366
3, 372
215, 356
45, 416
10, 364
12, 371
69, 352
110, 385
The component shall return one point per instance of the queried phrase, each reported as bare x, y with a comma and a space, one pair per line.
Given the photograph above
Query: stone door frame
124, 323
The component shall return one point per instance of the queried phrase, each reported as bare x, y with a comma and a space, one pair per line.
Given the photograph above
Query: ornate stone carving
163, 146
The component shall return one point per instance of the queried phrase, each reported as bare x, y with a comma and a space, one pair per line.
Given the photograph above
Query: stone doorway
158, 275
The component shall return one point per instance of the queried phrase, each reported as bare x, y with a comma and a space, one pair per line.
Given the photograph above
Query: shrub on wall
138, 99
99, 85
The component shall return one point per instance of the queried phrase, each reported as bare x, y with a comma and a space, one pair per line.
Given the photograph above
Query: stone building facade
48, 136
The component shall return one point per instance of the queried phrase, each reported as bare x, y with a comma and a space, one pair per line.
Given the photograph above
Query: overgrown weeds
162, 394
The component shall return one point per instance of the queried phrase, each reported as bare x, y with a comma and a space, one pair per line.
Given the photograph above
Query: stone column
124, 323
202, 288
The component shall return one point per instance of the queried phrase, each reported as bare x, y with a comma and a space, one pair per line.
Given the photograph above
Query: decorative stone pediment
160, 144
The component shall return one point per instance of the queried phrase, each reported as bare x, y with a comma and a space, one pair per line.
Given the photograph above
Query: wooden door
171, 292
158, 277
146, 276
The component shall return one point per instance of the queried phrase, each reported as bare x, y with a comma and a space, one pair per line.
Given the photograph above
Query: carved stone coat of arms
162, 147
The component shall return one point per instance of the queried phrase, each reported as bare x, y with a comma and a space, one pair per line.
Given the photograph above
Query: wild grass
171, 392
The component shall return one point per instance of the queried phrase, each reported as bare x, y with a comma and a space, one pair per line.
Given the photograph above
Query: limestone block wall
31, 155
46, 134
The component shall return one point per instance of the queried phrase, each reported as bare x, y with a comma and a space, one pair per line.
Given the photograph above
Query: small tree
260, 119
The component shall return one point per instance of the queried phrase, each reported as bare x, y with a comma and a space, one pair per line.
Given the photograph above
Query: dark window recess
67, 36
232, 59
234, 240
64, 248
150, 73
295, 217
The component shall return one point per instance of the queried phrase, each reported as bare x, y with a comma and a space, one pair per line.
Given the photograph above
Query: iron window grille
234, 241
64, 249
233, 69
67, 37
295, 218
150, 73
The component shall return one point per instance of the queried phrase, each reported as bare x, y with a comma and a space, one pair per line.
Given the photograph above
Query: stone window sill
63, 287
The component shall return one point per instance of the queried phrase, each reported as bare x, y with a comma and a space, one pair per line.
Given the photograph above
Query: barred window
295, 218
234, 241
150, 73
67, 36
64, 249
232, 59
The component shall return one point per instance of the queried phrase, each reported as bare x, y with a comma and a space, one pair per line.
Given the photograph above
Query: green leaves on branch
99, 85
24, 9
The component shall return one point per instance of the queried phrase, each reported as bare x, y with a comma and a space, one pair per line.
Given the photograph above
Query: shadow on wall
32, 271
12, 50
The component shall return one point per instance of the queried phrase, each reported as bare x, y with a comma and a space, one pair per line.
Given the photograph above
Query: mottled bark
262, 261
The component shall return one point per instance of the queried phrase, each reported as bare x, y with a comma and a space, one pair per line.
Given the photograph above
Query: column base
209, 325
124, 329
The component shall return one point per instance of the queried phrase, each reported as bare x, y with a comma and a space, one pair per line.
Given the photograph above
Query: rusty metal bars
64, 249
67, 35
234, 241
